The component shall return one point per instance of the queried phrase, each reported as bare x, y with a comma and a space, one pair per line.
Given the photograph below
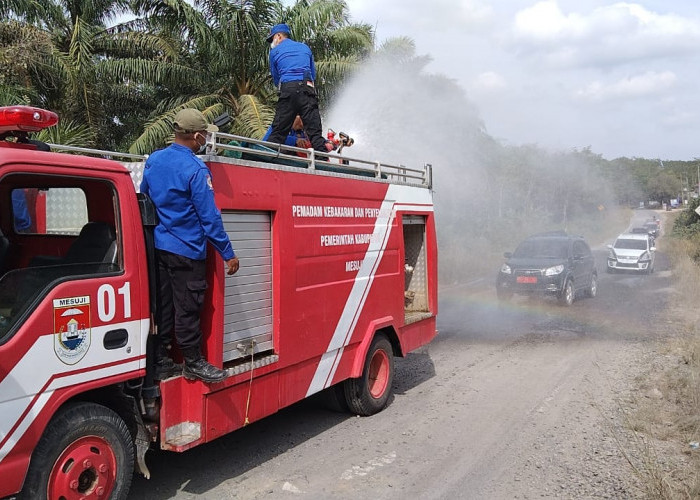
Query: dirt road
520, 400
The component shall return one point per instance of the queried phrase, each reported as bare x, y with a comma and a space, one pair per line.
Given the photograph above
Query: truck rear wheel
370, 393
86, 451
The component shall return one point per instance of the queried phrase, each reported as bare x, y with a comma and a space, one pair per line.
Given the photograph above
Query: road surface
514, 400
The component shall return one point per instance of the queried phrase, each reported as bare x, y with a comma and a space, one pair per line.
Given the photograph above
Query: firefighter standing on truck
293, 73
180, 186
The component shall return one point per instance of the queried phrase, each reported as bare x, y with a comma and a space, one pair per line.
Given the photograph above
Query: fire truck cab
338, 275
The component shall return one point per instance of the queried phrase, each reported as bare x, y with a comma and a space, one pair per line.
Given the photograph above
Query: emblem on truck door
71, 317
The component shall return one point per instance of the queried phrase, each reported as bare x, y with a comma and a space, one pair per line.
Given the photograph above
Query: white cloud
409, 16
611, 34
638, 86
545, 22
489, 81
680, 118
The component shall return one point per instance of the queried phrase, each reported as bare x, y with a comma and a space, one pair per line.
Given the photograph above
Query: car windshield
629, 244
542, 248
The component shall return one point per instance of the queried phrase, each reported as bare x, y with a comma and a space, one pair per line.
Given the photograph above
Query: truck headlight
553, 271
505, 269
645, 257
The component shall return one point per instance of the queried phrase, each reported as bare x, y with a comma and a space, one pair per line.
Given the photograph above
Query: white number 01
106, 301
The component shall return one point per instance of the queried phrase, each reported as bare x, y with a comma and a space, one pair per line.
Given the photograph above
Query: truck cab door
71, 315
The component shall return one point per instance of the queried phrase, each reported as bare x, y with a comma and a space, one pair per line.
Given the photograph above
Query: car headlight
645, 257
505, 269
553, 271
611, 255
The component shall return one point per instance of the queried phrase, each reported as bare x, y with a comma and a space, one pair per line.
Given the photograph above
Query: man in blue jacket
180, 186
293, 73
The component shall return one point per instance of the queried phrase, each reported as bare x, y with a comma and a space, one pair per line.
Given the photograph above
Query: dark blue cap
277, 28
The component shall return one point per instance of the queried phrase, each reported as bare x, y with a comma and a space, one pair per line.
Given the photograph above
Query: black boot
165, 367
196, 367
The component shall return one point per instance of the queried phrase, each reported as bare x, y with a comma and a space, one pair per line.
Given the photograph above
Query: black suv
554, 263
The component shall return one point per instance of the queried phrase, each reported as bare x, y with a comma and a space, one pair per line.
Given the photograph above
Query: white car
632, 251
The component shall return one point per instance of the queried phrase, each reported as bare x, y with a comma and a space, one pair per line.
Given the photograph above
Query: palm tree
80, 66
226, 43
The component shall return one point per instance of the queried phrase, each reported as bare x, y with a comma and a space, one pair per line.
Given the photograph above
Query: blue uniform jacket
291, 139
180, 186
23, 220
290, 61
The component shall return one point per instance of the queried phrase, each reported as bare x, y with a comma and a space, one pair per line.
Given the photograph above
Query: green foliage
687, 224
69, 60
68, 134
226, 50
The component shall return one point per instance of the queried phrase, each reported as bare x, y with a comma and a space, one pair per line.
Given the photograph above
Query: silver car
632, 251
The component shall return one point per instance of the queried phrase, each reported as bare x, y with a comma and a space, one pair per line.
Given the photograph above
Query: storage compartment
248, 293
415, 269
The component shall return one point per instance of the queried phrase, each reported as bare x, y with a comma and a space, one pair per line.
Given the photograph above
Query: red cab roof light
25, 119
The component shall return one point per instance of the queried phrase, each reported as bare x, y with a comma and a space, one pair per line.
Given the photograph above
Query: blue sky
619, 77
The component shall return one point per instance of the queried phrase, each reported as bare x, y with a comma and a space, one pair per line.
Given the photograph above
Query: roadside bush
687, 224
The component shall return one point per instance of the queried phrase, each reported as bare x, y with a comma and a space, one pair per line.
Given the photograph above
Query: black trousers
182, 285
298, 98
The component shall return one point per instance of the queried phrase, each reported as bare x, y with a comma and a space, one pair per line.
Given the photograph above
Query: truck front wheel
370, 393
86, 451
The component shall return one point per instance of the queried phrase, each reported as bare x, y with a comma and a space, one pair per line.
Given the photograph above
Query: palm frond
175, 17
351, 39
135, 71
331, 71
11, 95
31, 11
159, 130
68, 134
136, 44
252, 117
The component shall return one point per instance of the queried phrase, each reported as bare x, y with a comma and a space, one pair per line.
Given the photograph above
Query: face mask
274, 44
202, 147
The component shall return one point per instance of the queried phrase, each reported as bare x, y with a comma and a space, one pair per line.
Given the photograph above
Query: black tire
334, 398
610, 270
370, 393
592, 289
85, 447
566, 297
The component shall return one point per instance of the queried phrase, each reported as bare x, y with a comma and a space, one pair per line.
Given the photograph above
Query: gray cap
192, 120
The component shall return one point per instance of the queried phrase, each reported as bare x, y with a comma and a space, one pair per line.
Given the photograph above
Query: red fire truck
338, 275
